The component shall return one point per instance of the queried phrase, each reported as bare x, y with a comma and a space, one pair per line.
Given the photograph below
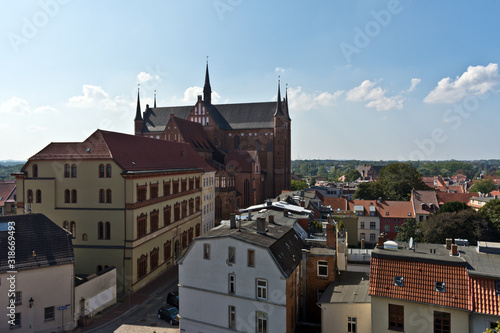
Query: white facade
208, 201
210, 302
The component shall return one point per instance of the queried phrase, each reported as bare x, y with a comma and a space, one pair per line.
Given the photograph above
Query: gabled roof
421, 201
7, 191
39, 243
336, 203
395, 209
364, 204
449, 197
155, 119
132, 153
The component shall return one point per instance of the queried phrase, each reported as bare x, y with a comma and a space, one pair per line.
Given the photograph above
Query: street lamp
31, 301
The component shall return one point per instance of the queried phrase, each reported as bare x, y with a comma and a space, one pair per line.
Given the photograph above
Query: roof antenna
155, 100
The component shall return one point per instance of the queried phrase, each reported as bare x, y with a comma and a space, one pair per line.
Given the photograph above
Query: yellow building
129, 202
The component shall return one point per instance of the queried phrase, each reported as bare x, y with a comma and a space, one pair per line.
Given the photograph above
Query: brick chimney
381, 240
261, 225
331, 236
454, 249
271, 218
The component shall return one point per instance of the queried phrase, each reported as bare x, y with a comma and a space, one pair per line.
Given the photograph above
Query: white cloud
191, 95
476, 80
34, 128
145, 77
96, 97
301, 101
15, 106
282, 70
45, 109
375, 96
414, 83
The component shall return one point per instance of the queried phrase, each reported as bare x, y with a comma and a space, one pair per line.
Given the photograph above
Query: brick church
247, 143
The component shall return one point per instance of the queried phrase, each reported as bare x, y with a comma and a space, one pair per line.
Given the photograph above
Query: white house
242, 277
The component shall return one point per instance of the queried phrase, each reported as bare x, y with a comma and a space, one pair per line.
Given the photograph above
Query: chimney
271, 218
454, 249
331, 240
302, 203
448, 243
381, 240
261, 225
232, 220
285, 213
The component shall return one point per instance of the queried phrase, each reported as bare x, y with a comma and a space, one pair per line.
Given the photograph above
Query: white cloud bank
191, 95
302, 101
477, 80
20, 107
96, 97
375, 96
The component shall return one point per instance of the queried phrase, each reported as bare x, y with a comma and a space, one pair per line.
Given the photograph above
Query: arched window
107, 230
84, 237
29, 194
73, 171
100, 230
72, 229
108, 196
73, 196
257, 145
101, 196
38, 196
66, 171
101, 170
66, 196
34, 170
236, 142
108, 170
66, 225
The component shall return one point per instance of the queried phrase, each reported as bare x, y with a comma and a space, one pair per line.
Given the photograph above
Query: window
17, 320
141, 193
396, 317
142, 225
84, 237
108, 196
231, 255
108, 170
362, 236
101, 170
351, 324
261, 322
232, 283
30, 196
198, 229
154, 218
154, 258
166, 188
197, 182
72, 229
206, 251
142, 267
184, 209
107, 230
322, 268
49, 313
73, 171
167, 250
440, 286
372, 237
38, 196
373, 225
197, 204
177, 211
442, 322
34, 170
497, 288
362, 225
73, 196
19, 298
66, 171
167, 215
183, 185
66, 225
261, 289
101, 196
191, 183
251, 258
190, 235
387, 228
191, 206
175, 187
153, 190
398, 281
232, 316
184, 239
100, 230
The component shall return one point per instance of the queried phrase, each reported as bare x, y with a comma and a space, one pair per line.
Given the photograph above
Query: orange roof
421, 201
484, 296
335, 203
449, 197
419, 282
395, 209
365, 203
7, 191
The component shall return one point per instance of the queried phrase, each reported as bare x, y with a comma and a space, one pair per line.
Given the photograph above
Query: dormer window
398, 281
497, 288
440, 286
386, 213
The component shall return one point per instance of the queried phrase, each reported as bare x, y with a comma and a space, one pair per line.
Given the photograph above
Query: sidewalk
122, 306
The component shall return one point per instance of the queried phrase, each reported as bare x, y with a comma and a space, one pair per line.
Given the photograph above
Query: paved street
140, 309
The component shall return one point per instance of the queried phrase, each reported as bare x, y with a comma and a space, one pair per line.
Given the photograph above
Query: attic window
440, 286
88, 150
386, 213
398, 281
497, 288
409, 214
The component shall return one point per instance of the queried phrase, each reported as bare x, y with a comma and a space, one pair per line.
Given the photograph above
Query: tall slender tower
138, 121
207, 90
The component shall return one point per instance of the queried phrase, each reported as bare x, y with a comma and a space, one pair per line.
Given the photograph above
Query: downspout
471, 318
124, 230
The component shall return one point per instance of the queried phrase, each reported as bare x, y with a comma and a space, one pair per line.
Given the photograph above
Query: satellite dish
27, 208
411, 243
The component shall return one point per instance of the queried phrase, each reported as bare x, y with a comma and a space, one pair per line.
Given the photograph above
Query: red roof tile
484, 297
336, 203
395, 209
7, 191
421, 201
449, 197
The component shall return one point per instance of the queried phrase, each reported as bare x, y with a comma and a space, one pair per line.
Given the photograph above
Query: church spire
155, 100
286, 103
279, 108
207, 90
138, 115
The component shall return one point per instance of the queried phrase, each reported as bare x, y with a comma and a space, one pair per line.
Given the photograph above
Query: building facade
129, 202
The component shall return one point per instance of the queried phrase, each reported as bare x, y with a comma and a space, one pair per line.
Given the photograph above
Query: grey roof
281, 239
350, 287
226, 116
35, 234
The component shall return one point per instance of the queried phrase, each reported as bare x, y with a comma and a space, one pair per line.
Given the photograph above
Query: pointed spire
279, 108
138, 115
155, 100
207, 90
286, 102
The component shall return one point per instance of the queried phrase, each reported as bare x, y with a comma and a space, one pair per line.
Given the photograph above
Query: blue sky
373, 80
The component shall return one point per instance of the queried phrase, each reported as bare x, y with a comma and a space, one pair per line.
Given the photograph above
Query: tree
353, 175
484, 186
410, 228
465, 224
397, 180
369, 191
491, 213
494, 330
453, 206
297, 185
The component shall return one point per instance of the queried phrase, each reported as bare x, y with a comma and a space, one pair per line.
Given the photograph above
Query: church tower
138, 121
207, 90
281, 151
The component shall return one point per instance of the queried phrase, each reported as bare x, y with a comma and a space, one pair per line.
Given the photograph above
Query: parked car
173, 299
170, 314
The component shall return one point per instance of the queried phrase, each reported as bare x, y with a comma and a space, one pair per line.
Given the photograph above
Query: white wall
98, 293
334, 317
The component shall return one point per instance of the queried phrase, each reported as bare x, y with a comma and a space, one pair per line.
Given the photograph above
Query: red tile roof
484, 298
336, 203
130, 152
449, 197
421, 201
7, 191
419, 282
395, 209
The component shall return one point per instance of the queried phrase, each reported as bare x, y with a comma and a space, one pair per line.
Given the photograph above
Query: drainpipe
304, 284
